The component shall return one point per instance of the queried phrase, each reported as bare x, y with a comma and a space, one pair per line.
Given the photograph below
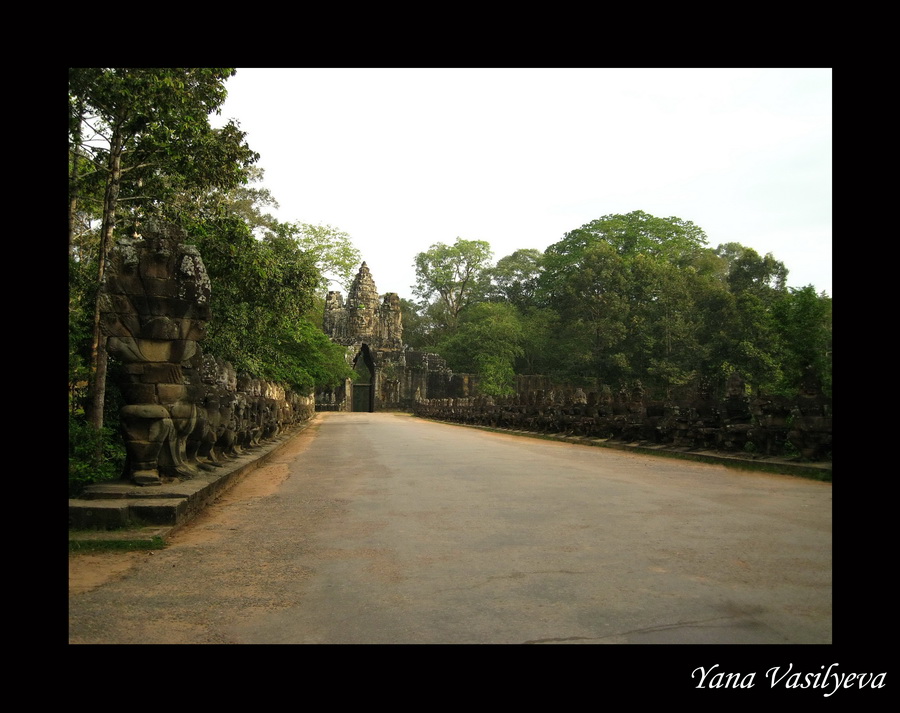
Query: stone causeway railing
763, 425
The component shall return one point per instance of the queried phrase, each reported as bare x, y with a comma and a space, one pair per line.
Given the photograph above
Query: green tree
741, 329
331, 249
540, 341
496, 375
248, 201
747, 271
515, 277
637, 233
487, 342
85, 186
420, 332
262, 293
82, 287
453, 276
591, 297
623, 288
146, 131
667, 349
804, 325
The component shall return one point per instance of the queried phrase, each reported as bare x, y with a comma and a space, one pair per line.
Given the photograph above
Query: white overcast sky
404, 158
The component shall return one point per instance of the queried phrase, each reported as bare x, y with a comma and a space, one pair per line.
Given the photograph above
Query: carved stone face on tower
364, 317
363, 293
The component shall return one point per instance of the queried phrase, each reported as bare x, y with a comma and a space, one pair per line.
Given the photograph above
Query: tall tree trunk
98, 343
73, 206
75, 152
73, 201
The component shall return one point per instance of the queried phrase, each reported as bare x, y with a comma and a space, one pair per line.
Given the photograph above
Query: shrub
93, 456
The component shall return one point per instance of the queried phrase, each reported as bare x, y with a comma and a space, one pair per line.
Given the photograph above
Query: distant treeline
624, 298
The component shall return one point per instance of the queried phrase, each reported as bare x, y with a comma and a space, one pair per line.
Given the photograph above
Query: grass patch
810, 473
110, 545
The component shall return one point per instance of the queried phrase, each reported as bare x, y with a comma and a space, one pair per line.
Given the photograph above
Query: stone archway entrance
364, 385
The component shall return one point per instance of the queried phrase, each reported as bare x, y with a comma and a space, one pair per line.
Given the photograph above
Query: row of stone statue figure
764, 425
185, 411
220, 415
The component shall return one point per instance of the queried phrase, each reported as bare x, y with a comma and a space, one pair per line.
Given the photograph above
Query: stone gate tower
371, 327
362, 320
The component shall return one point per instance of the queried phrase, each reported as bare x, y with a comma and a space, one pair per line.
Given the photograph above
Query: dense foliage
451, 277
628, 298
141, 146
263, 293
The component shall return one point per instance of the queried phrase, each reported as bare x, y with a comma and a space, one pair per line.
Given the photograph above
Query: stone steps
118, 505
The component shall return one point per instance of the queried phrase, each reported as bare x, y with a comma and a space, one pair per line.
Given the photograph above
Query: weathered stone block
160, 266
175, 351
170, 393
114, 324
195, 330
87, 515
162, 373
139, 393
162, 307
124, 283
162, 328
143, 451
160, 287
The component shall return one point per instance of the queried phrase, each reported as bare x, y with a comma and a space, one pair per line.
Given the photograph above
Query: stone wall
731, 422
185, 411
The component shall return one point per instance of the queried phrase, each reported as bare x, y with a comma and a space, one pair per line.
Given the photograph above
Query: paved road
388, 529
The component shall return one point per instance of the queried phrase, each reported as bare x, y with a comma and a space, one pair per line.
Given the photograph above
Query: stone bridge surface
384, 528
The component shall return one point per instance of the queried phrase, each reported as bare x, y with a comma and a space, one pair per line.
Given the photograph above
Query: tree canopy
452, 276
331, 249
515, 277
141, 146
146, 131
143, 134
626, 298
262, 293
488, 342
